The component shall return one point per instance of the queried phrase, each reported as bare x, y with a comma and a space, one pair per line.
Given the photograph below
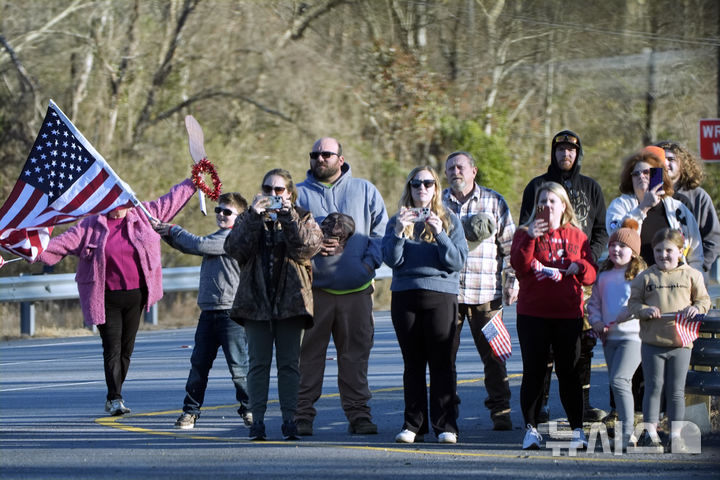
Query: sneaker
610, 419
117, 407
363, 426
290, 431
592, 414
647, 440
532, 439
502, 422
447, 437
257, 431
406, 436
246, 416
578, 440
108, 405
544, 415
186, 421
304, 427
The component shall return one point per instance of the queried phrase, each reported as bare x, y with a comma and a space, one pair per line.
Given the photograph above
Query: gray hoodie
362, 201
219, 273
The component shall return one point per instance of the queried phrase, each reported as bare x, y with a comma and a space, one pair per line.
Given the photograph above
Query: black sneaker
257, 432
363, 426
304, 427
502, 422
290, 431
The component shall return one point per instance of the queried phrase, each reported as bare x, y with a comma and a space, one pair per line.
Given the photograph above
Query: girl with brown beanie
619, 331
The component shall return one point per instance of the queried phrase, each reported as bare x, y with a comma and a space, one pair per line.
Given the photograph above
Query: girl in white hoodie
608, 314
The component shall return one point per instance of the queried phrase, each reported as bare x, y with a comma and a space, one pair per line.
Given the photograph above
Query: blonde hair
568, 215
632, 269
436, 206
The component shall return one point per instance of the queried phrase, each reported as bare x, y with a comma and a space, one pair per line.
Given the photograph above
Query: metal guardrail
27, 289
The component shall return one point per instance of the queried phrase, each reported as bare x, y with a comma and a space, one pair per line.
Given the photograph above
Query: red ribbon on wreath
204, 166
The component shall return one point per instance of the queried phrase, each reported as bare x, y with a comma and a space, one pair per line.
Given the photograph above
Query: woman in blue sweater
425, 246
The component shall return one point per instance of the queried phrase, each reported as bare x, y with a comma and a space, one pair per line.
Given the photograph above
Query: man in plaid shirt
489, 230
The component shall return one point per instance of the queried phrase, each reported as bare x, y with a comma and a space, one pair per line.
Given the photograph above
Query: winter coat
275, 267
87, 241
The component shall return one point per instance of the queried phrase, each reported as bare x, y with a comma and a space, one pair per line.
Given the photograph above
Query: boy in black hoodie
587, 199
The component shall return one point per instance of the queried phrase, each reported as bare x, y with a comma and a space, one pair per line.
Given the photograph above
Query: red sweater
557, 248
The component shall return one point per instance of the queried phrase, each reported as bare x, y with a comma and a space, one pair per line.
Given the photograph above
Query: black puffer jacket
585, 195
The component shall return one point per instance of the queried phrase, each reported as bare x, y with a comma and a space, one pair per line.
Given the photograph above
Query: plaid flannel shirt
481, 278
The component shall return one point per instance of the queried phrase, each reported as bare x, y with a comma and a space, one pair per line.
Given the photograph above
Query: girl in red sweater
552, 260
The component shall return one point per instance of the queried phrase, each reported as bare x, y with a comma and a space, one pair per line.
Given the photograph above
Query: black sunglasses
325, 155
269, 189
225, 211
428, 183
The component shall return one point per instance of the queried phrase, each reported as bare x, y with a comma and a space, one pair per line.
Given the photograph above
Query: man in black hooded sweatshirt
588, 202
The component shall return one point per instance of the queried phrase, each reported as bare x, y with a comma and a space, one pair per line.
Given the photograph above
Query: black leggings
123, 309
537, 335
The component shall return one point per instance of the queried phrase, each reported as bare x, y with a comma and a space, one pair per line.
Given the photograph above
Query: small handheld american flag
688, 330
542, 272
498, 337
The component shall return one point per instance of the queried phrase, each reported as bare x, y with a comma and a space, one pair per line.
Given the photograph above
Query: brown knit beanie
628, 234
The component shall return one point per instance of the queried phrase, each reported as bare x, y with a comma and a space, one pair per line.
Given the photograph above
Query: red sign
710, 139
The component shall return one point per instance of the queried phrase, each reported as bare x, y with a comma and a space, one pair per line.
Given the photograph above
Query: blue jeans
215, 329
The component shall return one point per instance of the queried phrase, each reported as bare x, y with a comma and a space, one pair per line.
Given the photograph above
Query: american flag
688, 330
498, 337
64, 178
542, 272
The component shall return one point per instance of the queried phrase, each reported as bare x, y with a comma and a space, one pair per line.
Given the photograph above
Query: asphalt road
53, 426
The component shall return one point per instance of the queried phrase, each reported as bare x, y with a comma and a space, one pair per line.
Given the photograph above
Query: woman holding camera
425, 246
552, 260
273, 242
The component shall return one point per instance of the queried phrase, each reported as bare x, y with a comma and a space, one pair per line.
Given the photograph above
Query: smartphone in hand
543, 213
422, 213
276, 202
656, 177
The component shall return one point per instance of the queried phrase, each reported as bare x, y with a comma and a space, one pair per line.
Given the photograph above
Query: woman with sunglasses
425, 246
653, 208
273, 242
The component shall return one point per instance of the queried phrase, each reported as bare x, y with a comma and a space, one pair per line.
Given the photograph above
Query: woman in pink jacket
118, 274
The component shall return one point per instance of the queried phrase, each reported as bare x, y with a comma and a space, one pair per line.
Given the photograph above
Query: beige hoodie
670, 291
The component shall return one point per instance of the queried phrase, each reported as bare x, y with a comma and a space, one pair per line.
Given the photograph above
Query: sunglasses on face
269, 189
566, 139
637, 173
325, 154
225, 211
427, 183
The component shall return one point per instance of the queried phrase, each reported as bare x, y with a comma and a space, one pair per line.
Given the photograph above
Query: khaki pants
349, 319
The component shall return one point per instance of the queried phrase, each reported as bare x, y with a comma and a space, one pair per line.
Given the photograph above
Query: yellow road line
114, 422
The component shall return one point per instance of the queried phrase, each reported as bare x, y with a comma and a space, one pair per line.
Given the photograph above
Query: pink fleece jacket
87, 241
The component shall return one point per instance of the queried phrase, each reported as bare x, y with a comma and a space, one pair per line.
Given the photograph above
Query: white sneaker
406, 436
117, 407
447, 437
578, 440
532, 439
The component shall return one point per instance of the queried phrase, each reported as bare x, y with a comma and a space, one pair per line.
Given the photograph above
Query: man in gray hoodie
342, 287
219, 278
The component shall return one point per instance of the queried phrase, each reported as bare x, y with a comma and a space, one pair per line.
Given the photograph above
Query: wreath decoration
205, 166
